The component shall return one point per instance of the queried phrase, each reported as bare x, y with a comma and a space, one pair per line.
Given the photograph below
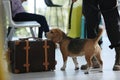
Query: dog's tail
97, 38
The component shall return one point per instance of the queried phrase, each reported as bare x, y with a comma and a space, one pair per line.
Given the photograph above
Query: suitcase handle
34, 38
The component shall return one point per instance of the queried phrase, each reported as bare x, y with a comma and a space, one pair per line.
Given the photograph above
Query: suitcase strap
46, 63
27, 47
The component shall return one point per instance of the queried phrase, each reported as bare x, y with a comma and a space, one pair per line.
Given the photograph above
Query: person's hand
74, 0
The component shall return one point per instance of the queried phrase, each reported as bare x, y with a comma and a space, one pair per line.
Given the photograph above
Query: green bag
74, 29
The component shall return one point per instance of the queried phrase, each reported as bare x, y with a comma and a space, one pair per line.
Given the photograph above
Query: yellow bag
76, 18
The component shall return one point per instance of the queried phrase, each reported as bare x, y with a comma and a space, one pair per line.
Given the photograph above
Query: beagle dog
74, 47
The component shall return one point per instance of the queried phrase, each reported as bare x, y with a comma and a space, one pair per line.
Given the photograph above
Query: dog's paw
77, 68
86, 72
62, 69
101, 71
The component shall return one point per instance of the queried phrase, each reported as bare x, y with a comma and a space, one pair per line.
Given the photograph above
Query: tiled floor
71, 74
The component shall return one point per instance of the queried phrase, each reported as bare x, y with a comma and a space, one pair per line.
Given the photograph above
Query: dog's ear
58, 36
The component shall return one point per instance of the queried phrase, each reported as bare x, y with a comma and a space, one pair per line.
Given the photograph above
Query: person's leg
34, 17
92, 20
112, 20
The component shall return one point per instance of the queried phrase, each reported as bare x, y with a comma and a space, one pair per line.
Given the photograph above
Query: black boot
116, 66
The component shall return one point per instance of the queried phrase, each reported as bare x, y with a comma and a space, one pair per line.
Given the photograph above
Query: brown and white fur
74, 47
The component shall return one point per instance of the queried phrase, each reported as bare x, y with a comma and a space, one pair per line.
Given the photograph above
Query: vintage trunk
31, 56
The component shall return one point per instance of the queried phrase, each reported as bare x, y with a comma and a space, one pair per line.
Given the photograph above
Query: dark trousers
33, 17
92, 10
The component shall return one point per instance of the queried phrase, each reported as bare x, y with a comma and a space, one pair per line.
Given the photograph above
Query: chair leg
57, 17
62, 14
32, 32
11, 33
50, 16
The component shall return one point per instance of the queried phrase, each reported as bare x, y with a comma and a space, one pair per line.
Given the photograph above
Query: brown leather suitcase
31, 56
